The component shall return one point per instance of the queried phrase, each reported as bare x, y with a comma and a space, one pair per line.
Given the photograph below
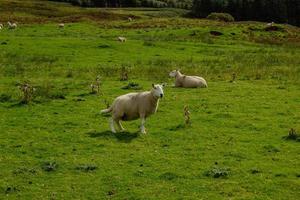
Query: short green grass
60, 147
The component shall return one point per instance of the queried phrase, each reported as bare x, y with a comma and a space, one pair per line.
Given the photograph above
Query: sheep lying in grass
122, 39
61, 25
12, 25
182, 80
133, 106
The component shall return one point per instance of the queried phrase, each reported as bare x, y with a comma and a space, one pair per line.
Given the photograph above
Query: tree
201, 8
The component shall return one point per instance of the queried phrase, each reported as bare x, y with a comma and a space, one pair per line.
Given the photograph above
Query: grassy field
58, 146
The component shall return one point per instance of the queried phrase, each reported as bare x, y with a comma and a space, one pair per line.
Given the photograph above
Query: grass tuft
86, 167
132, 86
49, 166
293, 135
11, 189
218, 172
168, 176
5, 98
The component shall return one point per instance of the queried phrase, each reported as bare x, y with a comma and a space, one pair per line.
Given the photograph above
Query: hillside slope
39, 11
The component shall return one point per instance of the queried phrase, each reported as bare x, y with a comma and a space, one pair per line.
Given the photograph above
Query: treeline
186, 4
280, 11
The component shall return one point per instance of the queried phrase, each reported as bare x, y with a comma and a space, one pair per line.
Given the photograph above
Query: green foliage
221, 17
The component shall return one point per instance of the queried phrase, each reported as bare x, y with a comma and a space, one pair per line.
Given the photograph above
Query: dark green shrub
225, 17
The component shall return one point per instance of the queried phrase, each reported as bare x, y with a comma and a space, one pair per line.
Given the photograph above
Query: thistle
187, 115
27, 92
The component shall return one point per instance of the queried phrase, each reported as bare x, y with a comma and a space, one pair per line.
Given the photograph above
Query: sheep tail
108, 110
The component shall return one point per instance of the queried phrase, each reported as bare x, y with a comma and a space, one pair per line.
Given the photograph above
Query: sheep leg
120, 125
112, 127
143, 131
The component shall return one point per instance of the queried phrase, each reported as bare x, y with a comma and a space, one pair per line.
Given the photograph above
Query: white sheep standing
122, 39
132, 106
12, 25
185, 81
61, 25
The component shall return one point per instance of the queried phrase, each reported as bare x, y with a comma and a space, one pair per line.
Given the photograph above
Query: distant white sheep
129, 19
12, 25
133, 106
270, 24
122, 39
182, 80
61, 25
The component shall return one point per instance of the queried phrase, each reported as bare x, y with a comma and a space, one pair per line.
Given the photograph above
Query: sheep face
173, 73
157, 90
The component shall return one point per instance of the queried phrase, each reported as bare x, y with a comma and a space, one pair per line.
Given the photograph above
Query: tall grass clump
95, 86
27, 92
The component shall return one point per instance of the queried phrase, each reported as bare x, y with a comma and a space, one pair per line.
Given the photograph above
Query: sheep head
173, 73
157, 90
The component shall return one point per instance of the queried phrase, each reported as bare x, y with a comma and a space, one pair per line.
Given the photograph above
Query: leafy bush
221, 17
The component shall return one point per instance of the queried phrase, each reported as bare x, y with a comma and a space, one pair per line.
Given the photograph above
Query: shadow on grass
86, 94
176, 127
120, 136
18, 104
